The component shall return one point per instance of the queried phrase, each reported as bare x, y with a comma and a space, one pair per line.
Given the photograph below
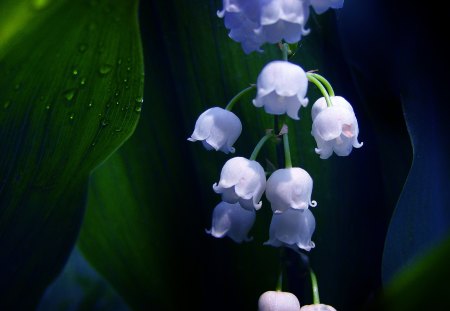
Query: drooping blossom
232, 220
278, 301
281, 88
334, 128
242, 180
293, 228
289, 188
217, 129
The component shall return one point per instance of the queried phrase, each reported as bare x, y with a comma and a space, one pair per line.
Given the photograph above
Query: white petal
289, 188
242, 179
285, 78
278, 301
328, 123
292, 228
317, 307
233, 221
218, 128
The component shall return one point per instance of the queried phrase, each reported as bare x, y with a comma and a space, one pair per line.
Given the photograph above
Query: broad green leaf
70, 94
420, 285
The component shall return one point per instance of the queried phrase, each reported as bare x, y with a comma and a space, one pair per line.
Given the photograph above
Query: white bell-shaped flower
282, 88
293, 228
334, 128
242, 17
317, 307
217, 129
242, 180
289, 188
283, 19
278, 301
321, 6
233, 221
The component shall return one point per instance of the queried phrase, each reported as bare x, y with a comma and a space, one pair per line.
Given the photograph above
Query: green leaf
70, 95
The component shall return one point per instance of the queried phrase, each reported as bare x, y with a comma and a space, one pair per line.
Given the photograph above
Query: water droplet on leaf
69, 94
105, 69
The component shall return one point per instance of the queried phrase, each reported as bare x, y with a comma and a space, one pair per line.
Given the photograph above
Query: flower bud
278, 301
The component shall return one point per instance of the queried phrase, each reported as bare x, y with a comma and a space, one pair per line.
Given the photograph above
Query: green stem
287, 151
259, 145
238, 96
315, 288
319, 85
325, 82
285, 51
279, 287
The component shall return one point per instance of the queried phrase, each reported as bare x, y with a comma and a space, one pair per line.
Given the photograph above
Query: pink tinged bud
233, 221
289, 188
334, 128
281, 88
242, 180
278, 301
292, 228
217, 129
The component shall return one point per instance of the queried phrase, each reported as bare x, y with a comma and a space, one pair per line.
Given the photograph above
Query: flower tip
357, 144
191, 139
313, 203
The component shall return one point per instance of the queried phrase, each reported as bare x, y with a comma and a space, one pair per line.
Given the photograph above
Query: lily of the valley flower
334, 128
255, 22
242, 17
317, 307
282, 88
321, 6
292, 228
289, 188
283, 20
278, 301
217, 129
242, 180
233, 221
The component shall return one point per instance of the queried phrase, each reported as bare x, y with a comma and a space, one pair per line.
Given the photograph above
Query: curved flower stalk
278, 301
292, 228
242, 180
334, 128
317, 307
321, 6
233, 221
217, 129
282, 88
289, 188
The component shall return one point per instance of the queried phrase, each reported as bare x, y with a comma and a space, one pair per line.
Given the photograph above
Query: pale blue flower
321, 6
292, 228
278, 301
334, 128
242, 180
233, 221
217, 129
289, 188
281, 88
317, 307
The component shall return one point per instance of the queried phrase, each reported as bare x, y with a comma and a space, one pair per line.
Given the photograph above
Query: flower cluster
255, 22
281, 90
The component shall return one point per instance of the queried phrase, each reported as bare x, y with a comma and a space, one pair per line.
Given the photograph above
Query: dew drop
69, 94
104, 122
82, 48
105, 69
75, 72
47, 107
83, 81
7, 104
71, 116
117, 94
138, 109
118, 129
129, 68
90, 104
139, 100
